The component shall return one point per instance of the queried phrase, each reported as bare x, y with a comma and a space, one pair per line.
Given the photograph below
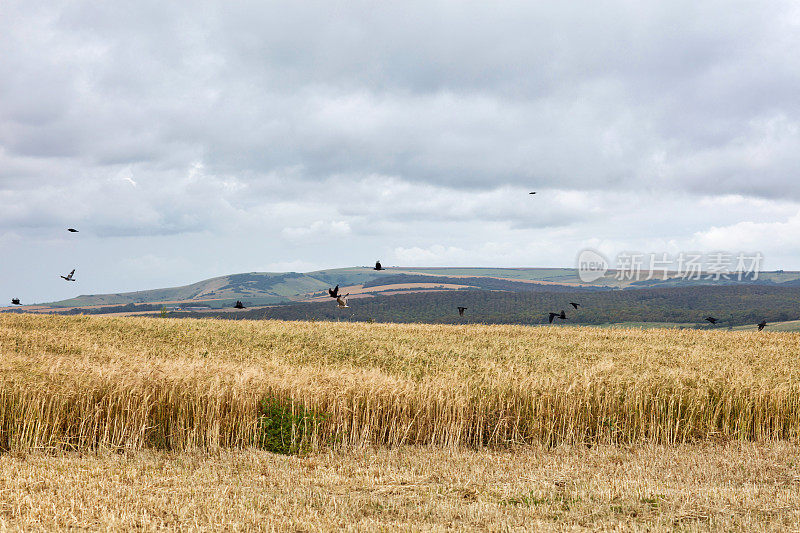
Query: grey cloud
476, 95
302, 115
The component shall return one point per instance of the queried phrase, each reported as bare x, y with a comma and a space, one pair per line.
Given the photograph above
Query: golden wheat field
150, 422
185, 384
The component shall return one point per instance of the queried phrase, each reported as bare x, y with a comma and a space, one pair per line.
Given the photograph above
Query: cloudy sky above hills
194, 140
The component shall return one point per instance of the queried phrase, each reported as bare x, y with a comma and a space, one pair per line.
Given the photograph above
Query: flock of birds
341, 299
68, 277
562, 315
713, 321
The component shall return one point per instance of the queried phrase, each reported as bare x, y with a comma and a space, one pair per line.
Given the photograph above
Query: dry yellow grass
83, 382
731, 487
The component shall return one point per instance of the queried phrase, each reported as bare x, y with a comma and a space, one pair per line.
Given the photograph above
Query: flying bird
762, 325
238, 305
334, 292
573, 304
68, 277
341, 301
461, 311
15, 301
711, 319
72, 230
532, 192
378, 266
562, 316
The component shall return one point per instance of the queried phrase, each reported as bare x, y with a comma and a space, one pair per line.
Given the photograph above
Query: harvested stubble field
182, 392
690, 487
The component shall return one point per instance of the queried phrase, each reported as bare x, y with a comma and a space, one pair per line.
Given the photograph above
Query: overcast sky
190, 140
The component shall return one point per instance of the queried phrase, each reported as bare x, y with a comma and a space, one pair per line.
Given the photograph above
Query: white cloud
436, 254
318, 229
289, 266
768, 237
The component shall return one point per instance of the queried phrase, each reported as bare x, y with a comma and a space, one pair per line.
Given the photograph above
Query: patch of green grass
654, 502
789, 325
286, 427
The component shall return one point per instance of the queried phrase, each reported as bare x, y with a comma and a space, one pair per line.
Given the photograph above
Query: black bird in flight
334, 292
15, 301
461, 311
711, 319
573, 304
238, 305
68, 277
562, 316
762, 325
532, 192
72, 230
378, 266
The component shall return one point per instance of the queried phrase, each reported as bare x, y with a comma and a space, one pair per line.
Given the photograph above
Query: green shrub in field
285, 427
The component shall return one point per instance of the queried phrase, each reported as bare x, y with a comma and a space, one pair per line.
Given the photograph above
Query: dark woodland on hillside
731, 305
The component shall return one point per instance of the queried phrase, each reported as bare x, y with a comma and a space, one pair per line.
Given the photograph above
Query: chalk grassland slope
731, 487
180, 384
271, 287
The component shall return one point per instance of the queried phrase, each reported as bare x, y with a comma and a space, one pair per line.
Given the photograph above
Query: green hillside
275, 287
269, 288
260, 288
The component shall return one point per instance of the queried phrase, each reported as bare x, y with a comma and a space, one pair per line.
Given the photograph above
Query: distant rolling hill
258, 289
270, 288
266, 287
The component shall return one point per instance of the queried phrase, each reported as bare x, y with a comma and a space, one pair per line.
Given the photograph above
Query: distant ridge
275, 288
